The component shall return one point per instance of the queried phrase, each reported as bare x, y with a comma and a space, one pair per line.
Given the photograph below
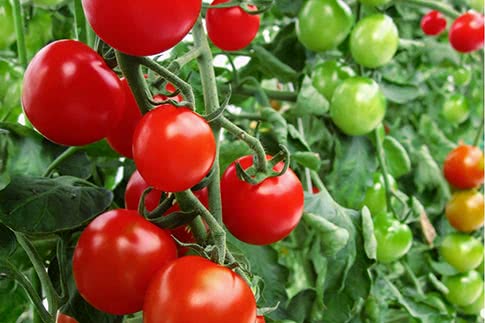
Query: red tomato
466, 33
433, 23
70, 95
120, 137
143, 27
231, 28
115, 259
260, 319
194, 289
63, 318
463, 167
173, 148
134, 189
264, 213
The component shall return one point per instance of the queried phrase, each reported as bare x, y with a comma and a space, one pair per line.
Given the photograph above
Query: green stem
20, 32
430, 4
479, 135
61, 251
60, 159
413, 277
180, 84
188, 202
308, 176
20, 278
211, 103
199, 230
383, 166
80, 22
52, 297
231, 259
248, 90
253, 143
188, 57
317, 181
37, 286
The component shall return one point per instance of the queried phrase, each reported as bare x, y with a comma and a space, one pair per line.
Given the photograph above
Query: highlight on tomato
462, 251
463, 167
173, 148
433, 23
467, 32
115, 259
231, 28
264, 213
194, 289
463, 289
465, 210
92, 97
394, 239
456, 109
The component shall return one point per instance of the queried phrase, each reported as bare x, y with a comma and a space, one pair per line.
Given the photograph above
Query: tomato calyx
252, 176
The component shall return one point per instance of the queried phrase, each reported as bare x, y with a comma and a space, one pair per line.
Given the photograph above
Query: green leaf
301, 305
273, 66
307, 159
8, 242
279, 125
333, 237
397, 158
400, 93
309, 101
37, 205
230, 151
13, 301
370, 242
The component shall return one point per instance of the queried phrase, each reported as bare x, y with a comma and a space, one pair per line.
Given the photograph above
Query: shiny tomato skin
120, 138
70, 95
456, 109
63, 318
433, 23
463, 167
264, 213
231, 28
194, 289
465, 211
394, 239
143, 27
463, 289
467, 32
462, 251
173, 148
327, 76
260, 319
323, 24
115, 259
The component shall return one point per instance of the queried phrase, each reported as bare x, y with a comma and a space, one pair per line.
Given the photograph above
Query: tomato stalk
179, 62
10, 271
130, 66
249, 90
37, 286
479, 135
52, 297
60, 159
61, 252
443, 8
211, 102
413, 278
80, 22
20, 32
188, 202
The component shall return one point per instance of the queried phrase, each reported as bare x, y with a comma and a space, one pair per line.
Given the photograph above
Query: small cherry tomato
115, 259
394, 239
375, 196
328, 76
231, 28
465, 211
63, 318
260, 319
194, 289
173, 148
433, 23
463, 167
463, 289
462, 251
466, 33
264, 213
456, 109
476, 307
70, 95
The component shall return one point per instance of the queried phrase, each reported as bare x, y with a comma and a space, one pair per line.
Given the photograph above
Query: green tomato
463, 289
476, 307
480, 268
374, 41
329, 75
477, 5
394, 239
374, 2
462, 76
358, 106
456, 109
7, 27
375, 196
462, 251
323, 24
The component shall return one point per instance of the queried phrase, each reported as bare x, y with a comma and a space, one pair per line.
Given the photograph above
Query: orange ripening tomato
465, 211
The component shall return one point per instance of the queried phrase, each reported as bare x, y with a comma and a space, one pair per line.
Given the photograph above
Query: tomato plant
463, 167
433, 23
263, 213
374, 41
394, 239
116, 258
462, 251
157, 141
358, 106
231, 28
329, 75
463, 289
465, 211
324, 24
467, 32
74, 119
172, 291
455, 109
